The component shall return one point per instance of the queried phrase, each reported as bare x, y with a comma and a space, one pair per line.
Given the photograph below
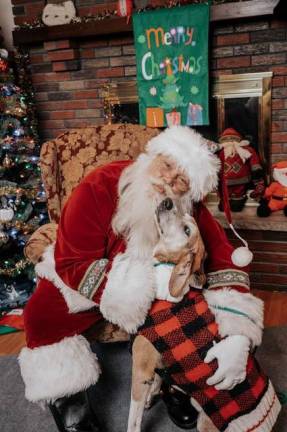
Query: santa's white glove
232, 355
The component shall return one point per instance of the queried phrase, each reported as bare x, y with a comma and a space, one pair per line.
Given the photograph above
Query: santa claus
275, 195
242, 169
107, 225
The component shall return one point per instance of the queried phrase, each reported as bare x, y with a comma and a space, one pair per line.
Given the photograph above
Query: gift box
173, 118
194, 115
154, 117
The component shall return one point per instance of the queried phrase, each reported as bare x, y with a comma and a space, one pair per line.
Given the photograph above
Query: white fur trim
232, 323
191, 152
46, 269
129, 292
61, 369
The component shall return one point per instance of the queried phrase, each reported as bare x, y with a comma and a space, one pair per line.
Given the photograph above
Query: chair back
67, 159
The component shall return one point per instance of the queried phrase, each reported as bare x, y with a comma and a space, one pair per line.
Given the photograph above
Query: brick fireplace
70, 75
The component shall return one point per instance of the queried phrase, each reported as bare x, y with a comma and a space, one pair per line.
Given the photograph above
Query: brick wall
269, 267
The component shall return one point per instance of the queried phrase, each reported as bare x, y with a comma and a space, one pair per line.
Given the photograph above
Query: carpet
111, 396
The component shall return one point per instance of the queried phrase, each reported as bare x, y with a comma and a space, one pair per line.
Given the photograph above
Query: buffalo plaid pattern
183, 333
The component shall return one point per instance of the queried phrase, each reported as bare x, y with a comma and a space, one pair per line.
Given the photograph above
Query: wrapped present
173, 118
194, 115
154, 117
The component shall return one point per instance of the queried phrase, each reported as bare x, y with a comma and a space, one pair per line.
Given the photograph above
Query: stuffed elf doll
241, 167
275, 196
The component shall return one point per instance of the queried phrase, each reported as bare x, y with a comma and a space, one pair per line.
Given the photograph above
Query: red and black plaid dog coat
183, 333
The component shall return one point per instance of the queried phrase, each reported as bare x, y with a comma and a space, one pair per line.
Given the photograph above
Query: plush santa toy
241, 167
275, 195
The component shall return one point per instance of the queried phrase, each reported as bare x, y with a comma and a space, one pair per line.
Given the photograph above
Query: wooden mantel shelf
248, 220
119, 26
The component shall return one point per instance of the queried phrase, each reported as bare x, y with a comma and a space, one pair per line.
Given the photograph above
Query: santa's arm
257, 175
236, 310
77, 263
270, 190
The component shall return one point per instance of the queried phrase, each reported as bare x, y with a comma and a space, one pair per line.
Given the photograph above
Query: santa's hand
232, 355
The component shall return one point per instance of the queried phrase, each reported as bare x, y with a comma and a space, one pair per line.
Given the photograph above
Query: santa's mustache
162, 186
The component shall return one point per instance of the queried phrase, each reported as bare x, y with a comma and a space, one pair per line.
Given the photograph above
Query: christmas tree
22, 198
171, 98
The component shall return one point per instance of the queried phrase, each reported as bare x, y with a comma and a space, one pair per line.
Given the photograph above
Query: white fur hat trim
190, 150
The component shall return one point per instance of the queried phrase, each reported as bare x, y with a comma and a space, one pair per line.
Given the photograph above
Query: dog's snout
167, 204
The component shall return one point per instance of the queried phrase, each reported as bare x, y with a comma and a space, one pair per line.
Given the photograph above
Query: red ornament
124, 8
3, 65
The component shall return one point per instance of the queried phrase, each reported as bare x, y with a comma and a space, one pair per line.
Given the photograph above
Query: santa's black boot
263, 210
179, 408
74, 414
237, 204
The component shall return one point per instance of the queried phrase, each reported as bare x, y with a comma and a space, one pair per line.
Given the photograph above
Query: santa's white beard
280, 176
138, 201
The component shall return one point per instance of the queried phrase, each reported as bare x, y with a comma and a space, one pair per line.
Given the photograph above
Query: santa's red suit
76, 289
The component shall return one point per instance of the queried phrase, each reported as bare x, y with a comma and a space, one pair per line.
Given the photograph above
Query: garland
17, 269
37, 23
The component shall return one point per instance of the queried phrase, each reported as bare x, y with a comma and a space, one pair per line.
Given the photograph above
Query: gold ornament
3, 237
7, 162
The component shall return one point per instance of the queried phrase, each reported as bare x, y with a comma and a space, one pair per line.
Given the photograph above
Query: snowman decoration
58, 12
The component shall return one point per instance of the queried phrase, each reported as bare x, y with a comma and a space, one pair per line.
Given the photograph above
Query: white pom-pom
242, 256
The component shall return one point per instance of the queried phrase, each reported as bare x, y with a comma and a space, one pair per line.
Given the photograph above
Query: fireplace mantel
118, 26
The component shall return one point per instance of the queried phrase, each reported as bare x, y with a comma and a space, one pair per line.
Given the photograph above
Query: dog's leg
145, 360
154, 390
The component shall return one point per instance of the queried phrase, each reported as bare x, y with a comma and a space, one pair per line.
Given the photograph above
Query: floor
275, 314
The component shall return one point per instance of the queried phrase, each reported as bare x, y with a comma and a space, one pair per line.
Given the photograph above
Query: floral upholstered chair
66, 160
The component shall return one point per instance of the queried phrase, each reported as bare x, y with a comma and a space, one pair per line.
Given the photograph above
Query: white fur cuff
237, 313
61, 369
129, 292
76, 302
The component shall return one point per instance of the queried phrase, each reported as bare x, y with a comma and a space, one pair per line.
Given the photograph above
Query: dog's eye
186, 230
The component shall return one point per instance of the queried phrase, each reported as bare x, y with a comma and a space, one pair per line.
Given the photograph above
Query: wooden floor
275, 315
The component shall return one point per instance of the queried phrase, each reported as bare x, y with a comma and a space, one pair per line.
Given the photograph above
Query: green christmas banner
172, 65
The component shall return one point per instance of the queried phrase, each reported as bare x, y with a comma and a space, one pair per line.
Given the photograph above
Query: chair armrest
39, 240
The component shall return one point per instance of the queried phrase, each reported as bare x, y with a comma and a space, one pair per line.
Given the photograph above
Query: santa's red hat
280, 165
229, 134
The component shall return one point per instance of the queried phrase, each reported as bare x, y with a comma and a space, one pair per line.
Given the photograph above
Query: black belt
279, 198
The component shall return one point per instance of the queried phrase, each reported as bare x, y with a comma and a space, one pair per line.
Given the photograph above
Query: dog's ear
198, 260
180, 275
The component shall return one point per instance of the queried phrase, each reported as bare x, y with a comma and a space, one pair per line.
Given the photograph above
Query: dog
178, 262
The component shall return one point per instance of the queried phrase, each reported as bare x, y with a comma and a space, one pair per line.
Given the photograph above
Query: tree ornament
4, 237
7, 162
4, 65
4, 53
124, 8
6, 214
